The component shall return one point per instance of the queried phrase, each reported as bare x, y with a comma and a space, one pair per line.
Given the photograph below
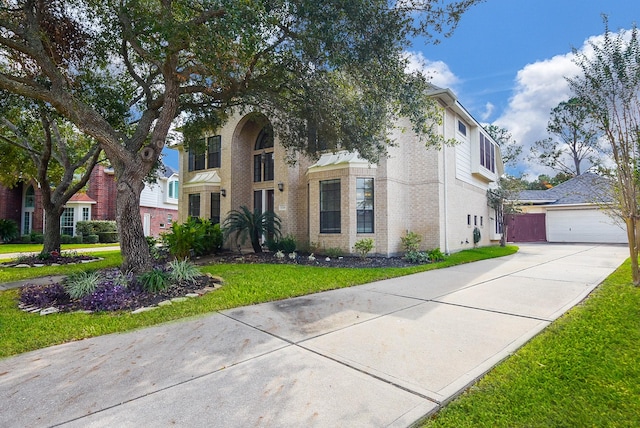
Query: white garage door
588, 225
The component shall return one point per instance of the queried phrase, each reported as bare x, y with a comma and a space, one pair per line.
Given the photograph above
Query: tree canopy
574, 139
123, 70
609, 82
41, 147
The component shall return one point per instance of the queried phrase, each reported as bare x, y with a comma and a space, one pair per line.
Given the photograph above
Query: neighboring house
578, 210
341, 198
158, 203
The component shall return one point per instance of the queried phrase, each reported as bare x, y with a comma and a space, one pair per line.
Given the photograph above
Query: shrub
90, 239
81, 284
363, 246
43, 296
154, 280
109, 297
435, 255
417, 257
65, 239
332, 252
25, 239
37, 238
287, 244
76, 239
197, 235
108, 237
8, 230
183, 270
94, 227
411, 241
44, 256
245, 223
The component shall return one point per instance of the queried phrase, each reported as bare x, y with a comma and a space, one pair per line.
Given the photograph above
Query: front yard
245, 284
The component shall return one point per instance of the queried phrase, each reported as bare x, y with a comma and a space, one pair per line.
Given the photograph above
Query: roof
80, 198
340, 159
587, 188
167, 171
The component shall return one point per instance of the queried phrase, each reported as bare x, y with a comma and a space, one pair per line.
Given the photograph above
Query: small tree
504, 201
609, 82
254, 224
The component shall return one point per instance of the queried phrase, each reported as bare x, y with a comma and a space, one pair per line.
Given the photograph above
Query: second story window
213, 151
462, 128
263, 166
205, 155
487, 153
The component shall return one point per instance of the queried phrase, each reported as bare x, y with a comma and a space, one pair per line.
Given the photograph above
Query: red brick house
158, 203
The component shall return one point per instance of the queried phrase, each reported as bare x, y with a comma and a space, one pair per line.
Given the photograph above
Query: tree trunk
633, 249
255, 241
51, 229
136, 256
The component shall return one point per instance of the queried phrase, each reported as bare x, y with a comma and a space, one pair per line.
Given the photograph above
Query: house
158, 203
340, 198
578, 210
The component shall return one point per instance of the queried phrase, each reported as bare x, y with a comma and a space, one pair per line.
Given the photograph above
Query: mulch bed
303, 259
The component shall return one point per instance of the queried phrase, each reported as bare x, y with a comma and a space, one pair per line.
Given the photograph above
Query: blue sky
508, 58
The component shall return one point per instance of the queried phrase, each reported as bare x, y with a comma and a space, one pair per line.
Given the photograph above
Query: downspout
444, 164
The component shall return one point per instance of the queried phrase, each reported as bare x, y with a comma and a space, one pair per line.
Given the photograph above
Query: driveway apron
383, 354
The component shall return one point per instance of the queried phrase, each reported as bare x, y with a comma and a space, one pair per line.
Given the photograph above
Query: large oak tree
328, 71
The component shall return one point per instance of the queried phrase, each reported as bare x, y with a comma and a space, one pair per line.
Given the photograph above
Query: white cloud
437, 71
540, 87
488, 111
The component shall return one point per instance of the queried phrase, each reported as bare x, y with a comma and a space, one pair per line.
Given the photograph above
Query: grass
36, 248
245, 284
583, 371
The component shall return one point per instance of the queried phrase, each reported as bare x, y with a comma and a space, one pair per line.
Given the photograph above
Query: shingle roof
587, 188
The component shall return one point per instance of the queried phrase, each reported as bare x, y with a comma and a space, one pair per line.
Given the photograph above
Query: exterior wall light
281, 186
223, 192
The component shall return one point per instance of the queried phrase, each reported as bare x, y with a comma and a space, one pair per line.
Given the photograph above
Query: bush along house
340, 199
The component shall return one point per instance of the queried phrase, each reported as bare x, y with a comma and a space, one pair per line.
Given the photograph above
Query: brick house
158, 203
340, 198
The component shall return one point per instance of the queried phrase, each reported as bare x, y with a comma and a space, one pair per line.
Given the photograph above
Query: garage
585, 224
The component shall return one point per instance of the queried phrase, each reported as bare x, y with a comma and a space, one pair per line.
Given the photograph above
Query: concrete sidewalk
380, 355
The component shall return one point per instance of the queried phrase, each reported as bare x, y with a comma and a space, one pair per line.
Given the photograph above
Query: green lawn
36, 248
583, 371
245, 284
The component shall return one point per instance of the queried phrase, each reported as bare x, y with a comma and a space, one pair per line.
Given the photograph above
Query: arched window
263, 156
30, 198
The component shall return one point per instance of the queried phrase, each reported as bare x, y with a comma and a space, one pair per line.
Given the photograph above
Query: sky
508, 59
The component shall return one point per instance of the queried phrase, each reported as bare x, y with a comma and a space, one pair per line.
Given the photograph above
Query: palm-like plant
253, 224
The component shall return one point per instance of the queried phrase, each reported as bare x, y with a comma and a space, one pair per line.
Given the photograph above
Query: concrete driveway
383, 354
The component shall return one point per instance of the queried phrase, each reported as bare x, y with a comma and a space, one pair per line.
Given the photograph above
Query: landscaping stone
22, 265
192, 295
178, 299
50, 310
144, 309
165, 303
